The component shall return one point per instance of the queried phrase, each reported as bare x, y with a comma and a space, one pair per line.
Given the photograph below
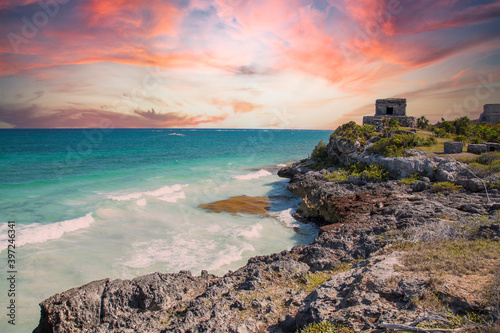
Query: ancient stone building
390, 108
491, 113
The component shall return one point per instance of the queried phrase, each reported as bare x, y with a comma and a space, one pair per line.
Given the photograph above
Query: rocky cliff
343, 277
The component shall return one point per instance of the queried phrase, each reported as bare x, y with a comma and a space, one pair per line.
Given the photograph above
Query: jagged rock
420, 186
127, 304
353, 220
342, 146
370, 293
473, 184
444, 176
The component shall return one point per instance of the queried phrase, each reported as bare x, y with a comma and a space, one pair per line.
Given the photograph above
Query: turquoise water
91, 204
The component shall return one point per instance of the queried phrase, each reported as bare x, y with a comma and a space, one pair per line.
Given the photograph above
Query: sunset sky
243, 63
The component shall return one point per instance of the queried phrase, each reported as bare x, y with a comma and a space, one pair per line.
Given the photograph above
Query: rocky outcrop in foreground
340, 277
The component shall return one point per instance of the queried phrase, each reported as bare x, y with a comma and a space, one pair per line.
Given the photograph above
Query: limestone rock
444, 176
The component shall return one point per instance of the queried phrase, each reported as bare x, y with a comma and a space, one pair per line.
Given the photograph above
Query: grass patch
455, 257
411, 179
326, 327
311, 281
445, 187
341, 175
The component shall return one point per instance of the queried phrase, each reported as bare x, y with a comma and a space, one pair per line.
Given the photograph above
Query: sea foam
40, 233
170, 193
253, 175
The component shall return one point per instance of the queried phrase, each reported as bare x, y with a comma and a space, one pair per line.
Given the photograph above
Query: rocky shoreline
344, 276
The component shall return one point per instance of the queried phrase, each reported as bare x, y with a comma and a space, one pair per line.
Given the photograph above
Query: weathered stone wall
491, 113
390, 106
378, 121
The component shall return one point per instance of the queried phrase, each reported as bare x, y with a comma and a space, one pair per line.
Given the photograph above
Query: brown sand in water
240, 204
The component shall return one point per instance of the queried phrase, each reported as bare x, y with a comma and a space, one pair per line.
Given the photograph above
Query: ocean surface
91, 204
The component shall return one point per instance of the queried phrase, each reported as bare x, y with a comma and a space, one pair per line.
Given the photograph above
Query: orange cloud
237, 106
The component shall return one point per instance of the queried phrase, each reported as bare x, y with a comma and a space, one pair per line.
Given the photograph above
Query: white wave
173, 197
253, 232
166, 193
178, 254
286, 217
230, 255
141, 202
281, 165
253, 175
40, 233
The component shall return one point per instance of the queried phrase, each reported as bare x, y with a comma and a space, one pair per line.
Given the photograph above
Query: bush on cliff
353, 132
365, 172
320, 152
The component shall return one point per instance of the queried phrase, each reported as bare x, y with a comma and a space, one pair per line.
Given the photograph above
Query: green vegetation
423, 123
319, 152
445, 187
312, 281
353, 132
484, 165
326, 327
369, 173
464, 130
340, 175
325, 164
411, 179
398, 145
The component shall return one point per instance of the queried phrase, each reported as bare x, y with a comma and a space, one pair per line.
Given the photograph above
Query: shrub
422, 123
320, 151
445, 187
369, 173
397, 146
460, 138
440, 133
353, 132
325, 164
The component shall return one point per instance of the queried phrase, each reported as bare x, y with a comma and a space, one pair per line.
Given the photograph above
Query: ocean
93, 204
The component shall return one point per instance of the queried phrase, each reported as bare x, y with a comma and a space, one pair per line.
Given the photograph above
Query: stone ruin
387, 109
491, 113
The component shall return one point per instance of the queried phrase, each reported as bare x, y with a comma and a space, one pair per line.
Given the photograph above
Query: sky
309, 64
